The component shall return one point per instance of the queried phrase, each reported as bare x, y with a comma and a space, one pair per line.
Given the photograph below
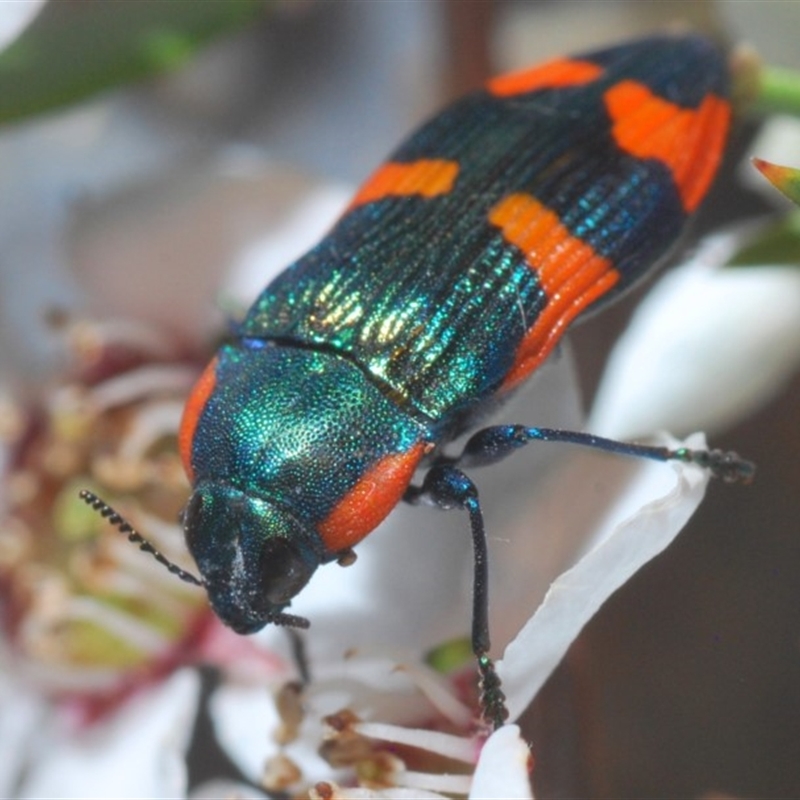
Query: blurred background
138, 134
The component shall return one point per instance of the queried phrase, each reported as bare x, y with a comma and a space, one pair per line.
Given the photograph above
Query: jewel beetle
447, 281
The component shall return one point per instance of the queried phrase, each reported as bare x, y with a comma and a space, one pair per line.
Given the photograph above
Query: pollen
82, 607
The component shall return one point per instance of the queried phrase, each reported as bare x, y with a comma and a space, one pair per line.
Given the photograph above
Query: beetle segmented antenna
289, 620
119, 522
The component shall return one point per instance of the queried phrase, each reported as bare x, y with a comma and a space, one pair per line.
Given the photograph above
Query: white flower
94, 630
376, 720
372, 694
706, 346
138, 752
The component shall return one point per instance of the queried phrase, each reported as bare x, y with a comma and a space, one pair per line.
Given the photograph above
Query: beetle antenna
119, 522
289, 620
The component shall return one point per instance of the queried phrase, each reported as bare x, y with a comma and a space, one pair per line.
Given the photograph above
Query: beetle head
253, 555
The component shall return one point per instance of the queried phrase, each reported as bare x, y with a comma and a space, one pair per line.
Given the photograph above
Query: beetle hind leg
493, 444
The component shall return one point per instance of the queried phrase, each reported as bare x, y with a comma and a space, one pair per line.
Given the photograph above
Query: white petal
435, 782
49, 162
362, 793
503, 770
223, 789
652, 502
439, 692
234, 212
15, 16
246, 722
22, 715
302, 225
139, 752
444, 744
706, 347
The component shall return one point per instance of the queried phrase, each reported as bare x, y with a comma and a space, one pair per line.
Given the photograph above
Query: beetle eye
283, 572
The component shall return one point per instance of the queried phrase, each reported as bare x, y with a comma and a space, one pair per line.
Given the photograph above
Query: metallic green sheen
436, 330
424, 292
401, 325
296, 427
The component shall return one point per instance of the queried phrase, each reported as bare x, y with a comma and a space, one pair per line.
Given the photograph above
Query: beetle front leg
447, 487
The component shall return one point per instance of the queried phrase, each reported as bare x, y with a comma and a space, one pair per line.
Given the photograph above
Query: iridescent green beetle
451, 276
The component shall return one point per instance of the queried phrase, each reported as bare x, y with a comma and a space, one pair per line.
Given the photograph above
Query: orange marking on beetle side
689, 141
191, 414
428, 177
570, 273
554, 74
366, 505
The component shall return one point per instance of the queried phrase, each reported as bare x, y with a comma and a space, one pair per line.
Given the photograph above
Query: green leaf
778, 91
450, 656
74, 49
761, 88
777, 245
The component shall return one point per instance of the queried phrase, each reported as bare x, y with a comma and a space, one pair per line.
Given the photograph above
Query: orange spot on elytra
689, 141
367, 504
191, 414
571, 275
552, 75
427, 177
